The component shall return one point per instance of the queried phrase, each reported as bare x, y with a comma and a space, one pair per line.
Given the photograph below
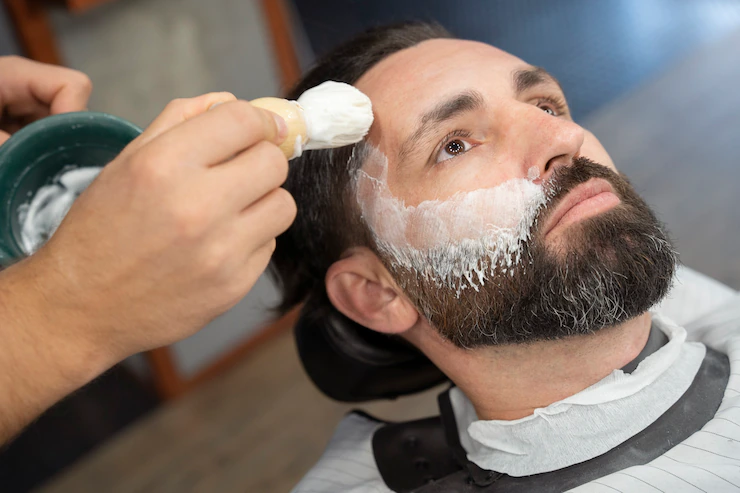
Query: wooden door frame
170, 383
33, 29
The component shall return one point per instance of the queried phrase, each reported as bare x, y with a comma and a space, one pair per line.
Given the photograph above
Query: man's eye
552, 106
453, 148
548, 109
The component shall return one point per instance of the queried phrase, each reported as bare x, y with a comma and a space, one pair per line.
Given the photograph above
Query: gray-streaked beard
609, 269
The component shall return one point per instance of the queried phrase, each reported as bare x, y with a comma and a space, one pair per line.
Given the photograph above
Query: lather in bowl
37, 154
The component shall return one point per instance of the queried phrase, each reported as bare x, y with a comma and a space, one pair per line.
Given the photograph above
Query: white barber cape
699, 311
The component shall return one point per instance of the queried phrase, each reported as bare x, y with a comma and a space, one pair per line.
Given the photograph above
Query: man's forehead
405, 83
434, 59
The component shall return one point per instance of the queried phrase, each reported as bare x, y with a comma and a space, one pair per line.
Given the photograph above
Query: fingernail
281, 126
214, 105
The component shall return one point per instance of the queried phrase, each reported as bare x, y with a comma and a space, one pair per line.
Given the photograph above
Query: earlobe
361, 288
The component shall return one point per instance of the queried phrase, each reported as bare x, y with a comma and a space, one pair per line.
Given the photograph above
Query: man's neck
510, 382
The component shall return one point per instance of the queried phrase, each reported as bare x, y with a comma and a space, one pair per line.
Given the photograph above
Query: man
174, 232
479, 223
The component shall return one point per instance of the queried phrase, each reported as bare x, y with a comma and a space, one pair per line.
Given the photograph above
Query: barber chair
351, 363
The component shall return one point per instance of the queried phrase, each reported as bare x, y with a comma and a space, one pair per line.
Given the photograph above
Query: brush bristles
336, 115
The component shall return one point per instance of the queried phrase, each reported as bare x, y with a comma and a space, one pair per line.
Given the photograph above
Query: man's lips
586, 200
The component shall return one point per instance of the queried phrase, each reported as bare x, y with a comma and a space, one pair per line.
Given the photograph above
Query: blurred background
230, 409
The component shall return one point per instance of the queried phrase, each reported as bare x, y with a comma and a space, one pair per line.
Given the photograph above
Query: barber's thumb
3, 137
280, 126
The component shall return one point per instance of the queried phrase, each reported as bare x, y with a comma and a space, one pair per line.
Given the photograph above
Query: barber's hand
31, 90
175, 231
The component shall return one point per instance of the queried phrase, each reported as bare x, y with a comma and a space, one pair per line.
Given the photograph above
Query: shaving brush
332, 114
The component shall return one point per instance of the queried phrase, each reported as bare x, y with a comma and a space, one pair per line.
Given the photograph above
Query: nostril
551, 163
557, 161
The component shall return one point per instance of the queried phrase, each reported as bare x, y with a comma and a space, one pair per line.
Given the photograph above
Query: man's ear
362, 289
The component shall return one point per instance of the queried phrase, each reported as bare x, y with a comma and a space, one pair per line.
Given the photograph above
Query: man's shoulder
348, 463
709, 459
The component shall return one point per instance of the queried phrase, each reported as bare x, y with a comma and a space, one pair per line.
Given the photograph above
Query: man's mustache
565, 178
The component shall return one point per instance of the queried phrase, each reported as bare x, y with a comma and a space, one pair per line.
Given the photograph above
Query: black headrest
351, 363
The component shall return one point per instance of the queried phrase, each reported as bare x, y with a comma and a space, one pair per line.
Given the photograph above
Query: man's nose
547, 141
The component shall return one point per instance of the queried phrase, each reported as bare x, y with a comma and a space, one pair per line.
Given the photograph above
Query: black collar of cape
425, 456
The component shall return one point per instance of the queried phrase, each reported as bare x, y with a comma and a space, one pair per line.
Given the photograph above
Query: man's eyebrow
532, 77
463, 102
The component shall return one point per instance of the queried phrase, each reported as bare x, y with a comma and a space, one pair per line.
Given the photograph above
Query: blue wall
598, 49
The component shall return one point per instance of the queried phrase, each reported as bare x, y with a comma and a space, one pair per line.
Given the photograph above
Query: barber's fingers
73, 95
179, 110
3, 137
176, 112
23, 111
255, 264
249, 176
61, 89
215, 136
265, 219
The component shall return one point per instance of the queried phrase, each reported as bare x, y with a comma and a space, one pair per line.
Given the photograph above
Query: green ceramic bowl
36, 154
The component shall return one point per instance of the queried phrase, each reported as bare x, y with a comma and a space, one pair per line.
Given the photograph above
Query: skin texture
509, 134
172, 234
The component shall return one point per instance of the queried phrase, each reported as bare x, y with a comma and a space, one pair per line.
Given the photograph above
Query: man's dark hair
328, 222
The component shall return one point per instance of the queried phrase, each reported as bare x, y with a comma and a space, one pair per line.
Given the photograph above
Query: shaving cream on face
336, 115
458, 242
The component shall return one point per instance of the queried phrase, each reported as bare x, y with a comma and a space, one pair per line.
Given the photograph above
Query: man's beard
607, 269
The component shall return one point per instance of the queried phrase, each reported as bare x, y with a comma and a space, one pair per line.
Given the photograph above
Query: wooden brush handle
292, 115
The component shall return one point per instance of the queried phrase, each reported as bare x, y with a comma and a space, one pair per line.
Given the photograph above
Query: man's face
469, 187
504, 128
